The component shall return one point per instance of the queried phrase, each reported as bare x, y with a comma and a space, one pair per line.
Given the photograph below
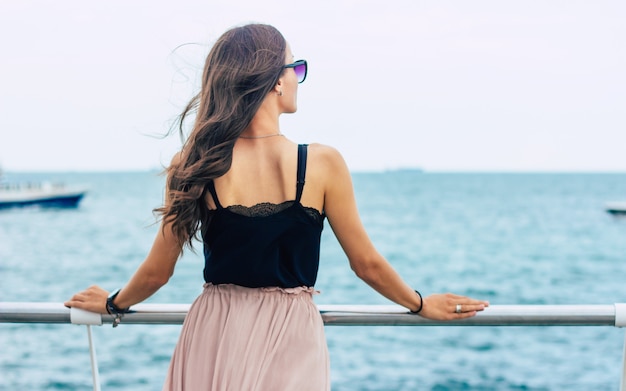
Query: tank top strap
302, 154
211, 187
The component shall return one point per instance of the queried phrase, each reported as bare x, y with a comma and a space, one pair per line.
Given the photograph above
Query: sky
441, 86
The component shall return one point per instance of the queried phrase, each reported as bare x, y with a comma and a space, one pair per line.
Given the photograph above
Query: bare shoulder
326, 156
176, 159
327, 172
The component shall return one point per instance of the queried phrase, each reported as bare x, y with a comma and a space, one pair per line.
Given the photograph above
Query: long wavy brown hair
242, 67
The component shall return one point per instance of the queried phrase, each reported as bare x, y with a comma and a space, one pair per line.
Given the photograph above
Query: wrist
114, 310
421, 305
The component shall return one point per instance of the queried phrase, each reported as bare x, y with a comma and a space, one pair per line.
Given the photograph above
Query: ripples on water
508, 238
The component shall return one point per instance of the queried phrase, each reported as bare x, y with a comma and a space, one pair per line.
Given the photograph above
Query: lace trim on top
265, 209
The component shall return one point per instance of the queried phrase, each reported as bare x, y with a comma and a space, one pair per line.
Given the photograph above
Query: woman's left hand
93, 299
449, 306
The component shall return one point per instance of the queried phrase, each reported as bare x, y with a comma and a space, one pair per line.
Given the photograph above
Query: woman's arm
151, 275
341, 210
154, 272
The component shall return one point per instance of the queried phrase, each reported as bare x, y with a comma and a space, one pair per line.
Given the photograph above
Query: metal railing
356, 315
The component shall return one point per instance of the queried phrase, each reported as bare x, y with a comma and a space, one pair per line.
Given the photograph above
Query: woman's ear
278, 88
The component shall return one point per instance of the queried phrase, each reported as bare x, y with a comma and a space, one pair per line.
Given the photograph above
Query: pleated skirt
238, 339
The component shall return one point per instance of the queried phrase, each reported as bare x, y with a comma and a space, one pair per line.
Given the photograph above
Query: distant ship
42, 194
616, 208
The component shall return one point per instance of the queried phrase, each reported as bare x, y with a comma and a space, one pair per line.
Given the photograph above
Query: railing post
623, 382
620, 321
95, 373
80, 317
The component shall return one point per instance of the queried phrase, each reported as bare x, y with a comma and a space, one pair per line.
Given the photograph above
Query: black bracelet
421, 304
114, 310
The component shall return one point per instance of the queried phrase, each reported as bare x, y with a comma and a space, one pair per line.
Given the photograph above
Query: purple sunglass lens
300, 72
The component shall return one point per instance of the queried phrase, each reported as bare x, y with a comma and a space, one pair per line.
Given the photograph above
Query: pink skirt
239, 339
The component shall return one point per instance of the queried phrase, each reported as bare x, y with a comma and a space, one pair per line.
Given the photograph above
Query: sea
510, 238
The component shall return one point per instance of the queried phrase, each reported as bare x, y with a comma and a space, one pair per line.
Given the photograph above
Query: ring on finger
458, 309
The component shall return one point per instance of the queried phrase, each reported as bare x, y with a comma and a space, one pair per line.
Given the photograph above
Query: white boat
616, 208
42, 194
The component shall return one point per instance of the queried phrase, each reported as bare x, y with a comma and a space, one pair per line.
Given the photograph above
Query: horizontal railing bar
356, 315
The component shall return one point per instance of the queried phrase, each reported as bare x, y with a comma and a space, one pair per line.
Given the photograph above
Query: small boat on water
616, 208
41, 194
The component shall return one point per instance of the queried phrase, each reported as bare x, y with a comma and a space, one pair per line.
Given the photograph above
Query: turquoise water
507, 238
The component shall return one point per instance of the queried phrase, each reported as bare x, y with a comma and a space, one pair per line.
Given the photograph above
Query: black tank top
265, 245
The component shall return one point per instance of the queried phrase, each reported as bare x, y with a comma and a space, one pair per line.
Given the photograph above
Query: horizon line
355, 171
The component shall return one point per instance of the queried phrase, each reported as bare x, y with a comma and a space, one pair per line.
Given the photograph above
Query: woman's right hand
92, 299
448, 306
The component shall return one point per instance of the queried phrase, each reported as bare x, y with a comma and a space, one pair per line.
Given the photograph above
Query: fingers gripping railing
373, 315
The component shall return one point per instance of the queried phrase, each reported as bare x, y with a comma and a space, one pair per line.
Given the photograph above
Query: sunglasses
300, 67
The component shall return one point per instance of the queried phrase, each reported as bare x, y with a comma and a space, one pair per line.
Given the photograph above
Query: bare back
264, 170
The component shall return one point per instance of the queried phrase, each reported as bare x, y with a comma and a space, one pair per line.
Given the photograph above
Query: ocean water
507, 238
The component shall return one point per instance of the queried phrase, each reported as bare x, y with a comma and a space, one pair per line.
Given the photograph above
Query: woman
258, 201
